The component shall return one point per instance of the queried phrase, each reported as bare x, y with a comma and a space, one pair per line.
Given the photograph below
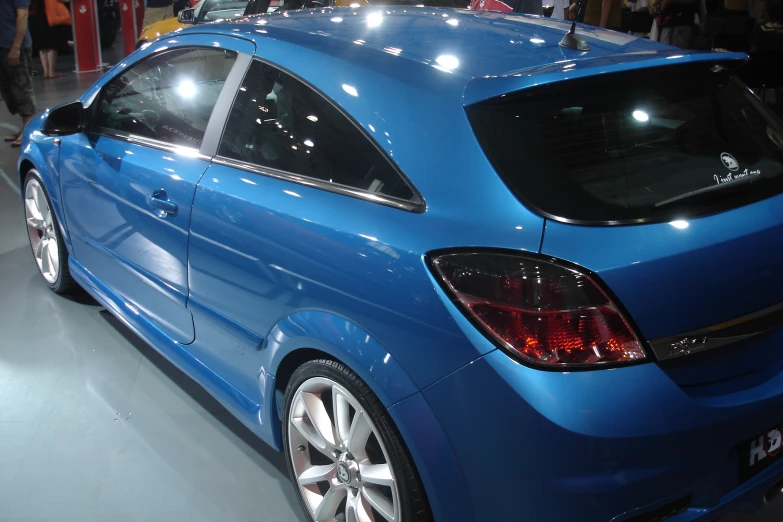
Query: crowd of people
751, 26
30, 27
39, 27
733, 25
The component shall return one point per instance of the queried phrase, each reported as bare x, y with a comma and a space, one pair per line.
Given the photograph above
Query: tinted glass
621, 147
222, 9
280, 123
167, 97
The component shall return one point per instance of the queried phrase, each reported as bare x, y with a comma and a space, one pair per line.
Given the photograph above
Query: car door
275, 221
129, 180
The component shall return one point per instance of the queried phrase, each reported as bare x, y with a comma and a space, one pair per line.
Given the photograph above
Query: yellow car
211, 10
204, 11
150, 32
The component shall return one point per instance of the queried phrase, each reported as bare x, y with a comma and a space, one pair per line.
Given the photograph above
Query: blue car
454, 270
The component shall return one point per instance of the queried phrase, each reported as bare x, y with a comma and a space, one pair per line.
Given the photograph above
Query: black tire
413, 501
64, 284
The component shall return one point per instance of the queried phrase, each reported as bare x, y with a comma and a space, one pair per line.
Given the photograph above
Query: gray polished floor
95, 425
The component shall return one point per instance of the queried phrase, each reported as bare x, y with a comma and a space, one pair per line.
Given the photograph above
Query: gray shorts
16, 83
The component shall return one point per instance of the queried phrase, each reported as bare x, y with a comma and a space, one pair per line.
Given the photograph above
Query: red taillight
545, 313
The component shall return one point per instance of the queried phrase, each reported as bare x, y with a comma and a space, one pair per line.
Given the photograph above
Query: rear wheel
43, 230
344, 454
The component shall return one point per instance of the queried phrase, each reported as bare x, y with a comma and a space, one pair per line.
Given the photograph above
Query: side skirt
246, 410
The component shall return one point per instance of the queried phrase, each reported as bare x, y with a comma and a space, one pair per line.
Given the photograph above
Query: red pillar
131, 18
139, 17
86, 36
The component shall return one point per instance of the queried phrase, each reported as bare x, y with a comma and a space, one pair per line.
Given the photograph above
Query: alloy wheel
42, 232
341, 465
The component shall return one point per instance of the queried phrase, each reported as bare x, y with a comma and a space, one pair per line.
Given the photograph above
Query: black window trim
416, 204
217, 119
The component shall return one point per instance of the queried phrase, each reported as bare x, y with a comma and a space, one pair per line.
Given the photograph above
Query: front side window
167, 97
280, 123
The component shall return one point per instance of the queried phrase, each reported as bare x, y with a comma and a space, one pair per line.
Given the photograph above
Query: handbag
57, 13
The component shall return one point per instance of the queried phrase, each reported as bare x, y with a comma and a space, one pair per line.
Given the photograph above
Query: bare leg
50, 61
44, 66
18, 141
45, 61
53, 62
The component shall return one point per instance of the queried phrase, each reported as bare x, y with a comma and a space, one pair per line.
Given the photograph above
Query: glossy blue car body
257, 274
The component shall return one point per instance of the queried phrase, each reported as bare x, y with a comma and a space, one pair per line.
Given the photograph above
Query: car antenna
571, 40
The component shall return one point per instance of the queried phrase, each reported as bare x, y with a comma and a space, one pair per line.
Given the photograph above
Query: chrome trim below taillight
719, 335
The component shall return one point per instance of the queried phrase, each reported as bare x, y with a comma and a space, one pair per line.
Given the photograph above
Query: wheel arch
41, 154
322, 335
314, 334
25, 166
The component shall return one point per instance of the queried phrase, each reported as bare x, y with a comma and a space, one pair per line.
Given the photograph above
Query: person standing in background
768, 36
560, 11
46, 38
604, 13
675, 20
157, 10
16, 63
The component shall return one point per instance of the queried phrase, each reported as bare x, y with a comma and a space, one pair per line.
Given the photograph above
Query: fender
343, 340
40, 152
436, 461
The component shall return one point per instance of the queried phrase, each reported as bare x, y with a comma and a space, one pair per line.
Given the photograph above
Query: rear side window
278, 122
634, 146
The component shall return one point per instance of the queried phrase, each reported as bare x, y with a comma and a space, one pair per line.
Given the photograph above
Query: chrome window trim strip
718, 335
189, 152
323, 185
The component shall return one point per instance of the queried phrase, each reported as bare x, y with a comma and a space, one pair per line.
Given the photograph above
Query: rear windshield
634, 146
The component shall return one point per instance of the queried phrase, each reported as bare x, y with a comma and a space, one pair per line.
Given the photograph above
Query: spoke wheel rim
41, 230
341, 466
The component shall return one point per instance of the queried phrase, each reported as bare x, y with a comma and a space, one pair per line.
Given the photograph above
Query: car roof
468, 44
485, 43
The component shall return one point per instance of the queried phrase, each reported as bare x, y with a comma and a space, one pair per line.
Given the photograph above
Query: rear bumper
593, 446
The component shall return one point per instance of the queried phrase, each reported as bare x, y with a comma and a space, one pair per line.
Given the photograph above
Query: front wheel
44, 234
344, 454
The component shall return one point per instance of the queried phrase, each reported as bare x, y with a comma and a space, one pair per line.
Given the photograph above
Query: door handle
159, 200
